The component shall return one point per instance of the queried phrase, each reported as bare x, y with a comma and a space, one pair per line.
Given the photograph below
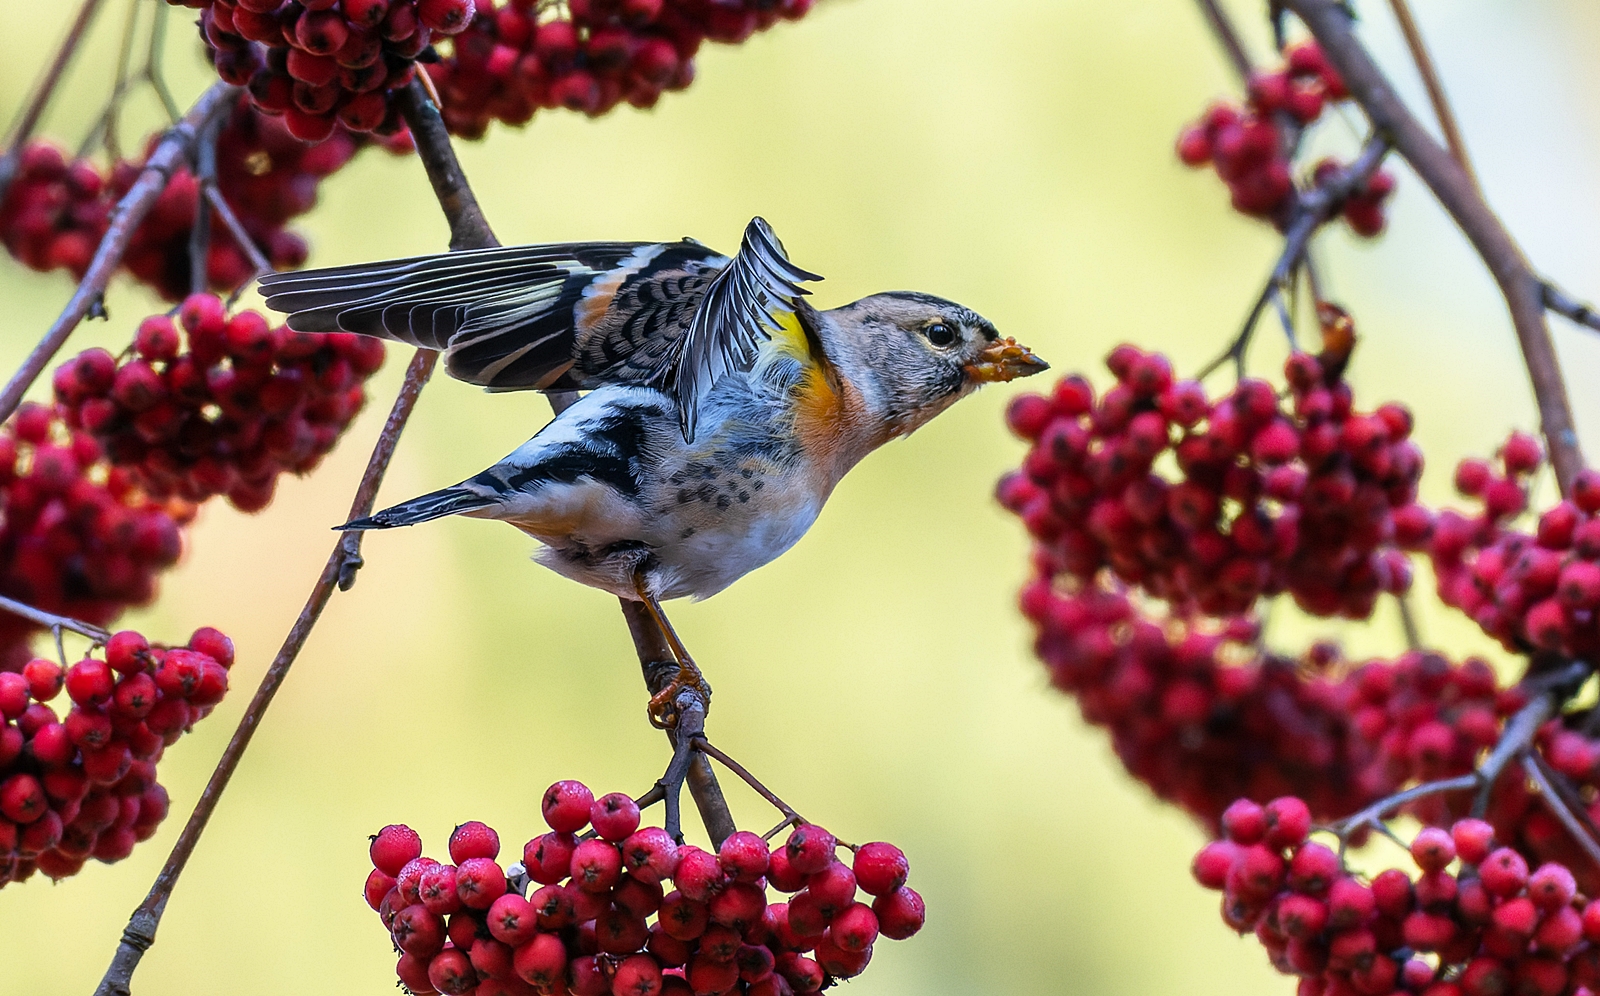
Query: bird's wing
504, 317
674, 316
743, 306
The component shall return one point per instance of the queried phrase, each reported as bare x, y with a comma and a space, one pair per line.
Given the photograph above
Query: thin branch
1313, 209
141, 930
702, 744
1430, 80
42, 93
469, 229
1562, 810
1569, 307
130, 211
1330, 22
200, 232
105, 126
236, 228
1228, 35
1408, 621
53, 622
152, 73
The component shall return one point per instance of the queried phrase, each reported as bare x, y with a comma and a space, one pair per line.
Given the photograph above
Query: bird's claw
663, 708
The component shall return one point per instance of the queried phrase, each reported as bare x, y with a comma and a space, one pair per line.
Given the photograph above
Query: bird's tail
446, 501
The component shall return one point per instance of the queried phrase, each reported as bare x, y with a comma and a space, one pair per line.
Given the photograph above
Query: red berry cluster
1203, 717
76, 539
585, 929
55, 211
512, 61
224, 408
1252, 145
1530, 591
1316, 500
325, 63
1491, 928
85, 785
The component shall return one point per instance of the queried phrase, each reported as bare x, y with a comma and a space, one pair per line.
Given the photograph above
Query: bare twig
702, 744
200, 232
1330, 21
130, 211
1313, 209
1430, 80
1228, 35
1408, 621
236, 229
42, 92
141, 930
1562, 810
1569, 307
469, 229
53, 622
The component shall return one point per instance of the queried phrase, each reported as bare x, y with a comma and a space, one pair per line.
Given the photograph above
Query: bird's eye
940, 334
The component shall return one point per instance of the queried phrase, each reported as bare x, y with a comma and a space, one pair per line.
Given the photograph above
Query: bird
721, 408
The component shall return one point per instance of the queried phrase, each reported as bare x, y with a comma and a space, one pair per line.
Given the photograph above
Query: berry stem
129, 212
241, 238
1553, 688
1228, 35
42, 92
140, 933
1558, 804
704, 745
1330, 21
52, 621
1310, 211
1435, 87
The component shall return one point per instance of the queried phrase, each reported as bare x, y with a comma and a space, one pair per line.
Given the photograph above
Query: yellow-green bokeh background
1012, 154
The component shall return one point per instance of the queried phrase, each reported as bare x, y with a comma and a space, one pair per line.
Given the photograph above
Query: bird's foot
663, 708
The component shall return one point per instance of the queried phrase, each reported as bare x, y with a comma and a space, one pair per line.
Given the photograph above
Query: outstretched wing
503, 317
742, 307
674, 316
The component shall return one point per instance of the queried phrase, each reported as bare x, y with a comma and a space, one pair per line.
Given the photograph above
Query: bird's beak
1003, 360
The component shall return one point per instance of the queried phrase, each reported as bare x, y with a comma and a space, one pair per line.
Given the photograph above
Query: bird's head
913, 355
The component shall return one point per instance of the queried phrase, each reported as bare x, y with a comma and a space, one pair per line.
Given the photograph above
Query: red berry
900, 913
393, 847
809, 849
473, 840
614, 816
566, 806
880, 868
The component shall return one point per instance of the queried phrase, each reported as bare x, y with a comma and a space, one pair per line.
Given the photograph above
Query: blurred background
1015, 155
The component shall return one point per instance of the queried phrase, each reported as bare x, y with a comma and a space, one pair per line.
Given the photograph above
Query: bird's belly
712, 549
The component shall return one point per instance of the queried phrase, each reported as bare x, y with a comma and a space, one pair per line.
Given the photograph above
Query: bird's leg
662, 705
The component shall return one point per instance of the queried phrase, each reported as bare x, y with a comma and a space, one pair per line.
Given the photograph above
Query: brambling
722, 409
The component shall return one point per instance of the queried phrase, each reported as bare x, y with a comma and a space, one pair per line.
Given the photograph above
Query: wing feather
740, 310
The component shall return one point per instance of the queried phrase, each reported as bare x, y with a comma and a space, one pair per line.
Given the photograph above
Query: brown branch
1228, 35
125, 220
1330, 22
1430, 80
42, 93
141, 930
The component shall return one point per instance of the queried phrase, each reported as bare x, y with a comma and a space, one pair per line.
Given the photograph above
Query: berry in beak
1003, 360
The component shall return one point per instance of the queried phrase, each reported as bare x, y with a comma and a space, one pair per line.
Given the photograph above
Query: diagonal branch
1228, 35
130, 211
1330, 21
140, 933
